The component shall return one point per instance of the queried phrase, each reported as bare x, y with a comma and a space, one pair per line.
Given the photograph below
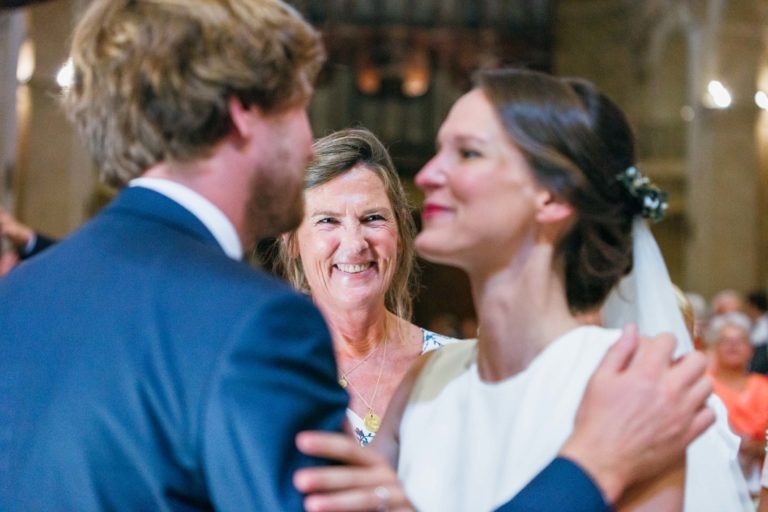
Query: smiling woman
354, 254
745, 394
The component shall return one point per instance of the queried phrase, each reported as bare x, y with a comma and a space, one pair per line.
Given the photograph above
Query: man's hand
639, 412
366, 481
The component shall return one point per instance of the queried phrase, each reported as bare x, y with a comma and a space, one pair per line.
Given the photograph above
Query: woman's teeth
352, 269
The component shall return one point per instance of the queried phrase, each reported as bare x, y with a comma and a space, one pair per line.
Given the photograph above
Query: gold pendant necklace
372, 421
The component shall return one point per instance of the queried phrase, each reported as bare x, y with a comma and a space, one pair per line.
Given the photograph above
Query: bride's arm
661, 494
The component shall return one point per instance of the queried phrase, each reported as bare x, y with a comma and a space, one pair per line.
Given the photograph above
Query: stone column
56, 179
723, 185
12, 29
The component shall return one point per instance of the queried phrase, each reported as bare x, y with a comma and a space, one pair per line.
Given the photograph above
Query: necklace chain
371, 420
343, 381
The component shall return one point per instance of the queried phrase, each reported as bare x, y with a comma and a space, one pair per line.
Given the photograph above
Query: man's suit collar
201, 207
152, 205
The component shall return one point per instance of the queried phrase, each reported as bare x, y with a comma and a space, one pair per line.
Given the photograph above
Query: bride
535, 193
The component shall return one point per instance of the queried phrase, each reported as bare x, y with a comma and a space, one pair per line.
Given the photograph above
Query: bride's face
480, 194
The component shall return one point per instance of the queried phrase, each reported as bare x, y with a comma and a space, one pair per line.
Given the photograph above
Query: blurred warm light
368, 79
416, 74
718, 96
25, 65
65, 75
761, 100
367, 75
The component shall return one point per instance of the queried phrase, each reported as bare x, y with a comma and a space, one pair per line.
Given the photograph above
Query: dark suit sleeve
560, 487
278, 379
41, 243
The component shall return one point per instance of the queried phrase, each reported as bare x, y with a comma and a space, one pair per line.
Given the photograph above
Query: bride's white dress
466, 444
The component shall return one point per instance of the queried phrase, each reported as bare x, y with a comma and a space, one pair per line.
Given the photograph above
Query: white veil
646, 298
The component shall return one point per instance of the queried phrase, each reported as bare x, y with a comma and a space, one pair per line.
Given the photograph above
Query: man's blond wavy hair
152, 78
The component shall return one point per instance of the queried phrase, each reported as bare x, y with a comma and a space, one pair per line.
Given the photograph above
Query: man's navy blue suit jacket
143, 369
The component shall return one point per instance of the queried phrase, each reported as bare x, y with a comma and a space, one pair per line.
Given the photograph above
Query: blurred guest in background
757, 310
698, 305
745, 394
26, 241
726, 301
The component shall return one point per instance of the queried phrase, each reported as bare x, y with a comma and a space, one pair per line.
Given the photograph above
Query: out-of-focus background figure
744, 393
19, 241
757, 310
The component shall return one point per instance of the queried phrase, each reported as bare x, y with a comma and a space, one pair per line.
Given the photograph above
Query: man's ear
242, 117
552, 208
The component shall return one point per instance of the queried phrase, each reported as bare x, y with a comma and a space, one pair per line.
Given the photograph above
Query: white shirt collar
205, 211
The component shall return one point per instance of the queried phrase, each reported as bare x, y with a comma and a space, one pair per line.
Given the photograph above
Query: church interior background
692, 75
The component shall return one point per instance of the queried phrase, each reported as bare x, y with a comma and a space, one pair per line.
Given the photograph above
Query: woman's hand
365, 481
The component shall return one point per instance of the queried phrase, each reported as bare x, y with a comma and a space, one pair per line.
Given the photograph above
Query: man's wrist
609, 480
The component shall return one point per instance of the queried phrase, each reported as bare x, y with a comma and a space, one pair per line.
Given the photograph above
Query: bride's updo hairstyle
577, 143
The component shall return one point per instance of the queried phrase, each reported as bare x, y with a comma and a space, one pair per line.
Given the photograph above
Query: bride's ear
552, 208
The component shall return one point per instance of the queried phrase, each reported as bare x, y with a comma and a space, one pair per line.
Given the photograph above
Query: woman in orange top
745, 394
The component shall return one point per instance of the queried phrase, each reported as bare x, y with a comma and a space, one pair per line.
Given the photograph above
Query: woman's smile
350, 268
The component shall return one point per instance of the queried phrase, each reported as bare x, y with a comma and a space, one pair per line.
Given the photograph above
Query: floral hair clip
653, 199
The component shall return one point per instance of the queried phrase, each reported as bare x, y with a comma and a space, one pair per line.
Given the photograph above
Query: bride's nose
431, 175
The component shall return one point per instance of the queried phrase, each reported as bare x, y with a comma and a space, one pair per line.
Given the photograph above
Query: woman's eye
469, 153
374, 218
326, 220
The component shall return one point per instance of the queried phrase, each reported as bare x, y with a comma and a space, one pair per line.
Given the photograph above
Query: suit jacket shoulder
145, 370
